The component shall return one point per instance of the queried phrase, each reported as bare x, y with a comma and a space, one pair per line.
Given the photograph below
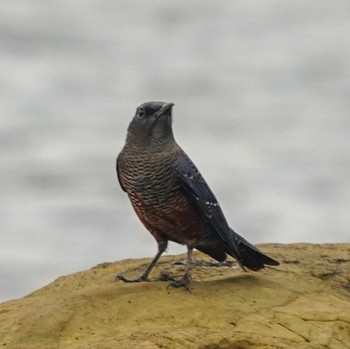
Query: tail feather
250, 256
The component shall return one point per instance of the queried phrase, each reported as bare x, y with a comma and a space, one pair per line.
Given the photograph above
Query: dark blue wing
204, 199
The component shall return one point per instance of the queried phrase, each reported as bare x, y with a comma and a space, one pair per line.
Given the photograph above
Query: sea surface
262, 105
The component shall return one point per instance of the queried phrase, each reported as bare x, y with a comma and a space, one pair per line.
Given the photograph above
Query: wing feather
205, 200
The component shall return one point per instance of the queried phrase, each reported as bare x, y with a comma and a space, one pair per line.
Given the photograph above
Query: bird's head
152, 124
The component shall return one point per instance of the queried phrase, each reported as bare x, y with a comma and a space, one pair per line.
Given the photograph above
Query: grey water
262, 105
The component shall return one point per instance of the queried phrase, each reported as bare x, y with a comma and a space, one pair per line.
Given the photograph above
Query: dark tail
250, 256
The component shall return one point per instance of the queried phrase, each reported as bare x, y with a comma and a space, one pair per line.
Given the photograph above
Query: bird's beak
164, 109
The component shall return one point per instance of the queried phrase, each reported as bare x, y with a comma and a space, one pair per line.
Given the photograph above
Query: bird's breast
155, 192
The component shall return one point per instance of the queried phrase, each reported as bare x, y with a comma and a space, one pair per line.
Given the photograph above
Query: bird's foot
184, 282
141, 278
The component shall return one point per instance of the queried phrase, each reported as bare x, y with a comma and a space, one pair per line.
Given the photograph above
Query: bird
172, 199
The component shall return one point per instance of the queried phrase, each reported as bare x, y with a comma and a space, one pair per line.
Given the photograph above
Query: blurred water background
262, 94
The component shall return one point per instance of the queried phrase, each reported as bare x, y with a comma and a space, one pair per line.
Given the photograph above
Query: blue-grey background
262, 94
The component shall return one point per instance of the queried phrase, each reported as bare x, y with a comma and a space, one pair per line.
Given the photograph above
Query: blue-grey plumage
171, 197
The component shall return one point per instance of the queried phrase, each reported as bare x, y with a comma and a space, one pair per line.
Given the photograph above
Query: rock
303, 303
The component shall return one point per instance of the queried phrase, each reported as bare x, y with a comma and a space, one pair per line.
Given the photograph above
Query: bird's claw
184, 282
141, 278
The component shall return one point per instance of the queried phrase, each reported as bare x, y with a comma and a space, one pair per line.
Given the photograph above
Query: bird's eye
141, 113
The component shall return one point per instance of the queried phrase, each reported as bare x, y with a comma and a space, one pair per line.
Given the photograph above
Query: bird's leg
185, 281
144, 276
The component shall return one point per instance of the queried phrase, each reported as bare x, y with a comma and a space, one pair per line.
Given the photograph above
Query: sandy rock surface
303, 303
